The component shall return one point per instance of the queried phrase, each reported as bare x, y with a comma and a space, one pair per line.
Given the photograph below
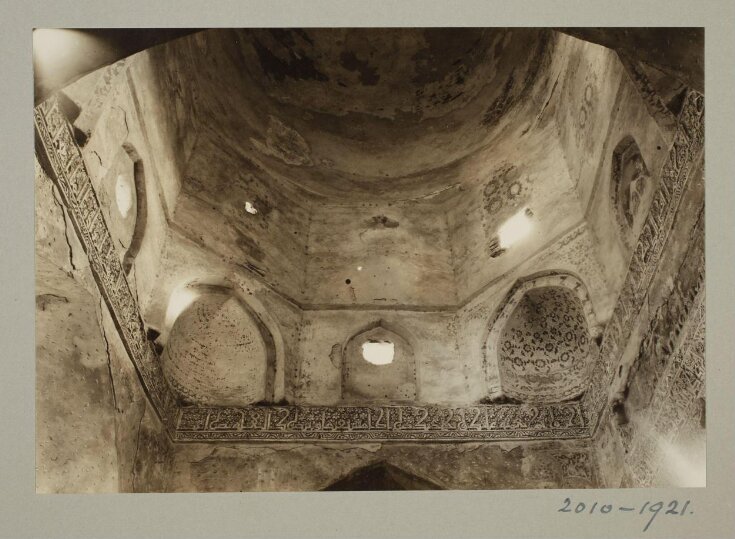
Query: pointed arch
141, 207
381, 476
543, 381
630, 186
254, 323
391, 381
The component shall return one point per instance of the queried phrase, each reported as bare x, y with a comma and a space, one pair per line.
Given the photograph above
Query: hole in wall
515, 229
377, 352
152, 333
348, 281
383, 221
123, 195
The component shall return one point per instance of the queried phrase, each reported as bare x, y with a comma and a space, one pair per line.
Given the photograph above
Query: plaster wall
291, 467
317, 271
112, 118
476, 212
601, 98
212, 210
186, 263
440, 374
587, 104
379, 254
95, 431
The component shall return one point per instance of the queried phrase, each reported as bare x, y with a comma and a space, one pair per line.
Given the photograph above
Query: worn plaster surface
334, 186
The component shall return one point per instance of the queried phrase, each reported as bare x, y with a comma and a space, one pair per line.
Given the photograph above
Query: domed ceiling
364, 112
376, 166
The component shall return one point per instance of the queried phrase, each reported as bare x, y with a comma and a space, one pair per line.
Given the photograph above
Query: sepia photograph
348, 259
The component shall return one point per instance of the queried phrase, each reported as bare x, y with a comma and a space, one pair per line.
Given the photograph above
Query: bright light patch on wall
123, 195
516, 228
378, 353
250, 208
55, 48
179, 301
685, 464
359, 268
53, 42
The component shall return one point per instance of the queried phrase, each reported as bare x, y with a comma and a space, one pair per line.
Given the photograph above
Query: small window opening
378, 353
123, 195
515, 229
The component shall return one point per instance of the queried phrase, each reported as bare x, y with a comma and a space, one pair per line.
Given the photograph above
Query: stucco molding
382, 423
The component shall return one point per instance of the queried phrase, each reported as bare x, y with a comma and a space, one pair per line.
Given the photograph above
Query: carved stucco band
675, 397
67, 170
376, 423
675, 175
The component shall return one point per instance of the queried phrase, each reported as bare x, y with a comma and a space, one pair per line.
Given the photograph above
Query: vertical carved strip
675, 175
67, 170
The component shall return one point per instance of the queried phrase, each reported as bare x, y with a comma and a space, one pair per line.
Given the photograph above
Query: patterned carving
67, 170
507, 190
686, 147
666, 328
498, 323
218, 353
376, 423
587, 107
544, 348
504, 194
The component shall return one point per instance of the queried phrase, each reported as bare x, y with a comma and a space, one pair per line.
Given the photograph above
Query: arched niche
382, 476
378, 366
542, 340
124, 185
219, 352
630, 188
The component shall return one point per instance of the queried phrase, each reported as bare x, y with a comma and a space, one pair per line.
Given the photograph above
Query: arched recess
219, 350
388, 381
630, 188
542, 340
141, 207
382, 476
124, 188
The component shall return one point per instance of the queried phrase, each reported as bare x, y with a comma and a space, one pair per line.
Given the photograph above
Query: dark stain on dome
296, 65
368, 74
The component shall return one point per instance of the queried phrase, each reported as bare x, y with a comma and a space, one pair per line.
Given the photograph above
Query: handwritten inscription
649, 508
